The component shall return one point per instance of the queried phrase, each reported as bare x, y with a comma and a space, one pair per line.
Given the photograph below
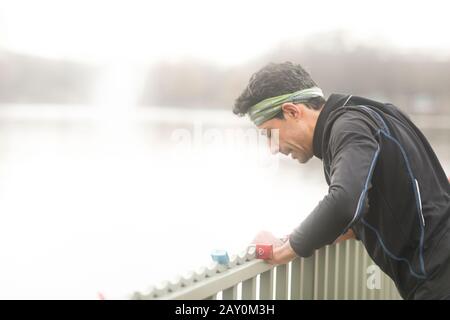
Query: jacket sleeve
353, 153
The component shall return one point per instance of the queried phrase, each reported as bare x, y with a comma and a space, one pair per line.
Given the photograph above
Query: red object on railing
264, 251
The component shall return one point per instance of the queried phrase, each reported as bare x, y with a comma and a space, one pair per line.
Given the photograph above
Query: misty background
97, 196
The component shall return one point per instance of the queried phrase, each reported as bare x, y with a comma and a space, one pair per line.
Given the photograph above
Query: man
386, 185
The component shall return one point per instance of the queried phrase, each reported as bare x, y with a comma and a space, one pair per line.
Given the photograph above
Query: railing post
388, 290
282, 278
332, 269
296, 285
349, 269
249, 289
319, 274
358, 276
266, 285
230, 293
340, 272
307, 278
364, 289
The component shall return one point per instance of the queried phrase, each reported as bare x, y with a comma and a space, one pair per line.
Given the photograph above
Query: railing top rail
207, 281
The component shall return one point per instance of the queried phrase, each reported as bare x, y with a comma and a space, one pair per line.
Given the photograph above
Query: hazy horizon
226, 34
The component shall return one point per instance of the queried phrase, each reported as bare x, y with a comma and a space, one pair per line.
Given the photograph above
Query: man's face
295, 133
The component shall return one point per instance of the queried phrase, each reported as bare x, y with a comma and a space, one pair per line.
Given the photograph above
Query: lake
99, 201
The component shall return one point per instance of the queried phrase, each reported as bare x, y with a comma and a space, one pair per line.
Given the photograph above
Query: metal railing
342, 271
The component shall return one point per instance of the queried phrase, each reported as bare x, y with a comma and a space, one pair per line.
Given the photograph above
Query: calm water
113, 203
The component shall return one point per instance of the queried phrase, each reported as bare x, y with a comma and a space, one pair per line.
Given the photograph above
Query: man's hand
282, 250
283, 254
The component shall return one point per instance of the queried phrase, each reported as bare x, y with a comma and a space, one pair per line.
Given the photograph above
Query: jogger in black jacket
386, 185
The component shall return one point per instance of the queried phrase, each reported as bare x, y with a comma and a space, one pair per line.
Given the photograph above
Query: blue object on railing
220, 256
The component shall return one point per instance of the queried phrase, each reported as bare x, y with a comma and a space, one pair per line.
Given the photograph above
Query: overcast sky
226, 32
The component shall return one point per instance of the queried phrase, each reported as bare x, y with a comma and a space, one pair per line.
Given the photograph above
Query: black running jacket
387, 185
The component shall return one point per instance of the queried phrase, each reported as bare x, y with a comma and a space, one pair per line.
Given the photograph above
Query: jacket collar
334, 101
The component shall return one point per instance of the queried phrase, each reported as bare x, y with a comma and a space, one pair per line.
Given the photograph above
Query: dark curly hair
273, 80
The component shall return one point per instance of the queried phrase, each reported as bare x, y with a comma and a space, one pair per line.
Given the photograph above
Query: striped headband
270, 107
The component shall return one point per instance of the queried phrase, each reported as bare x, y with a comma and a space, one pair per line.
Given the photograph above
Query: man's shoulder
352, 119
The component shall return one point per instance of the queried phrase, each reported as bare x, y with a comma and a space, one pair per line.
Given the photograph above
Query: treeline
415, 82
29, 79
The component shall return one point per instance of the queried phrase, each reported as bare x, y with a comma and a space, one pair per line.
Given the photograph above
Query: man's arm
282, 251
285, 253
346, 236
354, 151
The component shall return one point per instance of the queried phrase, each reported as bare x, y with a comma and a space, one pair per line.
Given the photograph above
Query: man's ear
291, 110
